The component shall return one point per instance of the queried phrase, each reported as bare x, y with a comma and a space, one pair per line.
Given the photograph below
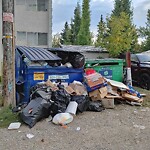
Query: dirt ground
123, 128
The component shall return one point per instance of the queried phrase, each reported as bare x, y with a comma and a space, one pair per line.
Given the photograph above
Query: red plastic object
90, 71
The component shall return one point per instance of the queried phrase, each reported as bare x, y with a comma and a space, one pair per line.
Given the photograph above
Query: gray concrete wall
33, 21
30, 21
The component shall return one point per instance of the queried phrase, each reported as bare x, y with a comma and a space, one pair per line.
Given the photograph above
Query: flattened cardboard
78, 88
70, 90
117, 84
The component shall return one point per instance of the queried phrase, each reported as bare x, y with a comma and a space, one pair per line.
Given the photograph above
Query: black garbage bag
61, 100
64, 56
77, 60
40, 91
83, 102
95, 106
36, 110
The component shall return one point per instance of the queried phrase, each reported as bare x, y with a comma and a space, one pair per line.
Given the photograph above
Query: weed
7, 117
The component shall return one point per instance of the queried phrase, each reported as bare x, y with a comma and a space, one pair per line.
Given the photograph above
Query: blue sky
63, 10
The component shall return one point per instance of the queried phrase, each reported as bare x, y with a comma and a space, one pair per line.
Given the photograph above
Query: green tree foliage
122, 6
145, 33
75, 24
84, 35
120, 35
102, 29
66, 35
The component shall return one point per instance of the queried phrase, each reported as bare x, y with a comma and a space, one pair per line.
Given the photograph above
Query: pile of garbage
62, 101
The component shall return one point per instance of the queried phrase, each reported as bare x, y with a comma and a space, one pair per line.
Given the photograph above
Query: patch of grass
146, 102
1, 100
7, 117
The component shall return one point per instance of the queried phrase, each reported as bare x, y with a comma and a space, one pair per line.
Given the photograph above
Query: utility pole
8, 53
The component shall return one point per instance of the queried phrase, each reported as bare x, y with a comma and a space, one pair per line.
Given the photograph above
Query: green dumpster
109, 68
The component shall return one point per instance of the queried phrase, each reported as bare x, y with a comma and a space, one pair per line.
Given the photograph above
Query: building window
32, 39
21, 36
31, 5
42, 5
20, 2
42, 39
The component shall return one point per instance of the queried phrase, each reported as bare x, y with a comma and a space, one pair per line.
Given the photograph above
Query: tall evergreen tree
122, 6
84, 35
145, 32
66, 34
101, 33
75, 26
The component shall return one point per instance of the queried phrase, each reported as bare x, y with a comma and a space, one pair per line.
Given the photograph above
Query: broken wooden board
132, 97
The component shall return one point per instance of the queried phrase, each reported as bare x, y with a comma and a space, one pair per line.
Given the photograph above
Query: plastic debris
78, 129
72, 108
29, 136
15, 125
62, 118
139, 126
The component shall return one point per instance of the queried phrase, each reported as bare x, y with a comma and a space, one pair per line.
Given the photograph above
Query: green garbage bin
109, 68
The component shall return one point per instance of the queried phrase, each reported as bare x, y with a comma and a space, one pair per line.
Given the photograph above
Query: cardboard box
94, 79
98, 94
95, 95
108, 102
103, 91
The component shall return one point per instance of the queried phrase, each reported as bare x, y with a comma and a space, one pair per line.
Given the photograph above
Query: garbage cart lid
36, 54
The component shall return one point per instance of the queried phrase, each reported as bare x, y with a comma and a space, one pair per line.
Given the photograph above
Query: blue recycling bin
32, 66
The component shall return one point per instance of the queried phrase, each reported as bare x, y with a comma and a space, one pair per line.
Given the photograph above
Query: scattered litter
29, 136
62, 100
15, 125
139, 126
72, 108
143, 110
142, 127
49, 119
135, 112
62, 118
133, 103
78, 129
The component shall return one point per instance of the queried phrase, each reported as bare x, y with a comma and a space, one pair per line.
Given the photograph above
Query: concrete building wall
33, 21
30, 21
